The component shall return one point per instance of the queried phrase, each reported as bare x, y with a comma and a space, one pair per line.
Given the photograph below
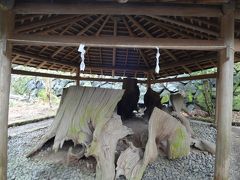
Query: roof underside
118, 61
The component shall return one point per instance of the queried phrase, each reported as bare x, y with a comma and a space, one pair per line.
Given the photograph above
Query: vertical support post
148, 81
6, 26
78, 76
225, 97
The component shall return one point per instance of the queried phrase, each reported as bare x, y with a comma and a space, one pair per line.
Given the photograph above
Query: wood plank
119, 42
117, 9
225, 98
6, 27
237, 45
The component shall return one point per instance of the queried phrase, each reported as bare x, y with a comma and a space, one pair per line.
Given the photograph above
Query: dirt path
22, 112
14, 131
235, 165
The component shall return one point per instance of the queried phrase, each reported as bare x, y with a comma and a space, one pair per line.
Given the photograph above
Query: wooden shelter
121, 37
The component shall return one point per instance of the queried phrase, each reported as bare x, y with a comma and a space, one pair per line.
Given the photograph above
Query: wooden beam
225, 98
57, 76
114, 49
102, 26
78, 76
6, 28
237, 45
118, 42
189, 78
237, 14
117, 9
31, 73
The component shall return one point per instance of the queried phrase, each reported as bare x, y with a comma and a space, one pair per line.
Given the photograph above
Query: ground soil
25, 111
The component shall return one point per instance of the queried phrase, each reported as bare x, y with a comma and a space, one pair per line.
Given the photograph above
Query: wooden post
78, 76
225, 96
148, 81
6, 25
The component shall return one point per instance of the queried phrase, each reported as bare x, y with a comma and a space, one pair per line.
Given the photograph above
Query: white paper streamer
82, 51
157, 68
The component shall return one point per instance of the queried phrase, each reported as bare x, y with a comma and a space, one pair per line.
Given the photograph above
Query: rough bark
152, 99
162, 128
129, 100
207, 92
103, 147
170, 134
81, 111
178, 104
85, 116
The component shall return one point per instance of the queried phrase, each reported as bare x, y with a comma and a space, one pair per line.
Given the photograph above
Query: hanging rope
157, 68
82, 52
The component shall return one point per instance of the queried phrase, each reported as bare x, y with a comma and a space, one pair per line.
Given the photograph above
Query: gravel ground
198, 165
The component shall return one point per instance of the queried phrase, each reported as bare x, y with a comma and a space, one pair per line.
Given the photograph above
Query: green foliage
189, 96
165, 99
19, 85
236, 103
42, 95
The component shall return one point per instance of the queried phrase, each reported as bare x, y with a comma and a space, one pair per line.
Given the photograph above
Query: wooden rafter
119, 68
66, 23
114, 49
167, 27
151, 36
146, 61
90, 25
102, 26
43, 23
186, 25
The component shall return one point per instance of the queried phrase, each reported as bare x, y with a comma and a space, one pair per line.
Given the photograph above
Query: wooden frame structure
121, 40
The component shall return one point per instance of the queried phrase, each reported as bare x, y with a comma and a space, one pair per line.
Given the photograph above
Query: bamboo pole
225, 97
6, 26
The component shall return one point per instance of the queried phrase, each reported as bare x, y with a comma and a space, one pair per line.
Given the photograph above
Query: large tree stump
82, 110
129, 101
152, 99
162, 128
